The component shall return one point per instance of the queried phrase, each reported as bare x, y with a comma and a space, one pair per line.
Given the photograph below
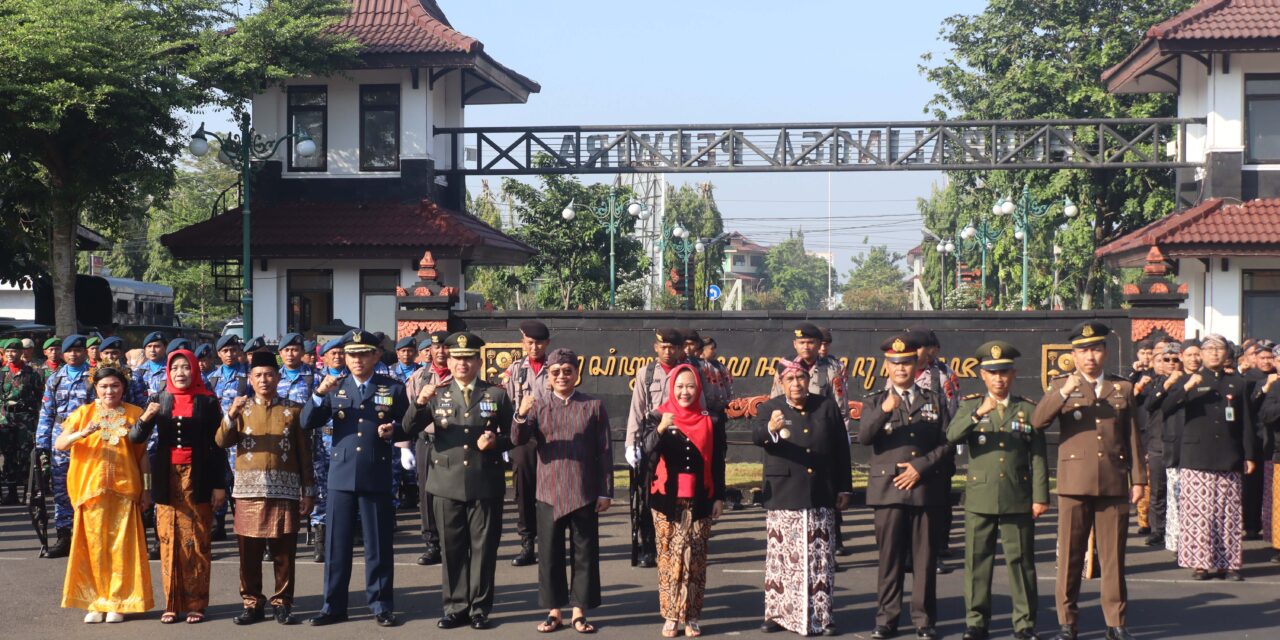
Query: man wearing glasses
1149, 393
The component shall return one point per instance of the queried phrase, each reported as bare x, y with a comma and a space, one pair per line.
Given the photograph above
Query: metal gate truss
873, 146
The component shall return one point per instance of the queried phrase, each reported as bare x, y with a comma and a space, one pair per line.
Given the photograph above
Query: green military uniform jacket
1008, 464
459, 469
20, 395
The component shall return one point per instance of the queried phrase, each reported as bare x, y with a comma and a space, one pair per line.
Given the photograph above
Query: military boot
62, 547
527, 556
317, 551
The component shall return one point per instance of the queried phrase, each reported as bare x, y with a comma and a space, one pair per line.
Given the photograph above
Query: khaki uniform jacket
1008, 463
459, 469
1100, 450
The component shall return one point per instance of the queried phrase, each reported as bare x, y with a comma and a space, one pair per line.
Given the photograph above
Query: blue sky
665, 61
720, 61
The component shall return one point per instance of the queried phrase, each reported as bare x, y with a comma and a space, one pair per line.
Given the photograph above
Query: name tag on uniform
1231, 413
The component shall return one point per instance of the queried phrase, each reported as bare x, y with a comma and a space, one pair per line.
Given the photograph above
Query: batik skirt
1173, 495
682, 564
799, 570
1212, 520
186, 548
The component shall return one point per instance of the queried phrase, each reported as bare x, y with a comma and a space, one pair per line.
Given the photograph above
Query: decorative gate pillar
424, 307
1155, 301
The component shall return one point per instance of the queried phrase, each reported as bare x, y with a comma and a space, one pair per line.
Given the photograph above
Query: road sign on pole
713, 292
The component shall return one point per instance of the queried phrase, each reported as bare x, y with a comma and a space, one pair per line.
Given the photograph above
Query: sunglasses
566, 372
1168, 359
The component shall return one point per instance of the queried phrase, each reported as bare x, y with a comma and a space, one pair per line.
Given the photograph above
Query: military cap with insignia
406, 343
292, 340
114, 342
51, 342
72, 341
996, 355
228, 340
154, 336
535, 330
203, 350
826, 334
179, 343
668, 335
900, 348
255, 343
464, 344
1088, 333
263, 359
359, 341
807, 330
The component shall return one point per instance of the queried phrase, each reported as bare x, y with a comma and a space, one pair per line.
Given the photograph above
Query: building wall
19, 304
420, 110
1215, 303
270, 288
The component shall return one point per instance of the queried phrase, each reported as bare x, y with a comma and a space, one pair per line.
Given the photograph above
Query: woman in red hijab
686, 452
190, 473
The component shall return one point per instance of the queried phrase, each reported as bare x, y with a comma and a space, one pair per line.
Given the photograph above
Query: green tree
876, 282
796, 280
498, 284
1038, 59
571, 269
92, 92
696, 210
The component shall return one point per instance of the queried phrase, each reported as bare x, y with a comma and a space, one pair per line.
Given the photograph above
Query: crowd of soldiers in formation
1187, 439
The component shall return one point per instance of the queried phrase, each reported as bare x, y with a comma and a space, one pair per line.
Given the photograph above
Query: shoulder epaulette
972, 396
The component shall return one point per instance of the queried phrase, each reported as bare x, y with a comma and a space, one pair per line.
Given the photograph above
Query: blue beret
255, 343
291, 340
331, 345
114, 342
154, 336
405, 343
179, 343
309, 346
228, 340
424, 345
203, 350
72, 341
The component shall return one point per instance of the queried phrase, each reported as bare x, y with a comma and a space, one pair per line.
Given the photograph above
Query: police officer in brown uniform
1101, 469
909, 486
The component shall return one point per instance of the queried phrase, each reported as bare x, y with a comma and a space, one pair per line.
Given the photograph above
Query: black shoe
1142, 531
926, 633
317, 551
249, 616
1249, 535
944, 568
327, 619
283, 614
386, 619
357, 540
974, 633
480, 621
1067, 632
432, 556
453, 620
1233, 576
219, 528
770, 626
1275, 559
647, 561
830, 630
153, 550
62, 547
844, 551
1155, 540
1025, 634
527, 556
882, 632
1118, 633
1201, 574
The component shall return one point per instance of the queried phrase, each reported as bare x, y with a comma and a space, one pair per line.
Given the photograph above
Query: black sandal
581, 625
551, 625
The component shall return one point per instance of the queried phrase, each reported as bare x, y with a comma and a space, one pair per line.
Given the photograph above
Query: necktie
466, 396
906, 398
1000, 411
362, 390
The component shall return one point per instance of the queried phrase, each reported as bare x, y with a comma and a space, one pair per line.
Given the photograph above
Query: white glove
506, 456
407, 460
633, 456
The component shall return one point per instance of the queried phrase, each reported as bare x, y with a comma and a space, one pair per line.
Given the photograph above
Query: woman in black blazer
189, 482
807, 477
1216, 446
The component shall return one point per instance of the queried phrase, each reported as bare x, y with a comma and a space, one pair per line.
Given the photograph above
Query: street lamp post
678, 241
634, 208
945, 248
983, 236
246, 147
1024, 212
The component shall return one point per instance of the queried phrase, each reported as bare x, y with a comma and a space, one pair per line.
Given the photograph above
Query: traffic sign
713, 292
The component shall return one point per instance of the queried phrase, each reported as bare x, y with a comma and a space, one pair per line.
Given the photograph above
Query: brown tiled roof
349, 230
1212, 227
404, 26
1222, 19
739, 242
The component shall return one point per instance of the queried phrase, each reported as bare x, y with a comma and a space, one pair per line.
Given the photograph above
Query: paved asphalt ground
1163, 601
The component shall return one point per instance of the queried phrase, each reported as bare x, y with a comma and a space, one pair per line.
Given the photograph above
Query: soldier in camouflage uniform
332, 365
149, 378
52, 358
228, 382
64, 392
20, 391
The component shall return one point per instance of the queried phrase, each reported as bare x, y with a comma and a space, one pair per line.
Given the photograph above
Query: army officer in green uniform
1007, 488
469, 424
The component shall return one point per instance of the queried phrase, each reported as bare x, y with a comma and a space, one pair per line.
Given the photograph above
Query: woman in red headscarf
190, 472
686, 452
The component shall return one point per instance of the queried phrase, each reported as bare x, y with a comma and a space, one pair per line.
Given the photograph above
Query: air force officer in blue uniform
366, 409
